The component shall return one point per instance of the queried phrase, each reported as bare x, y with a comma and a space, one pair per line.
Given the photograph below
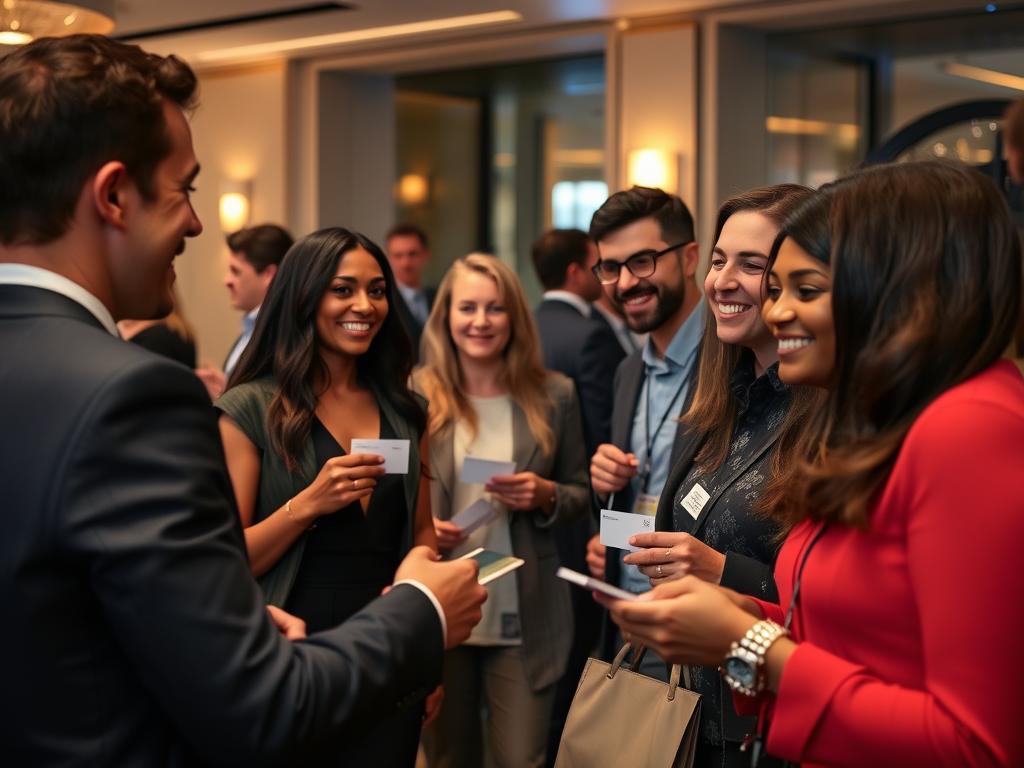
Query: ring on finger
660, 572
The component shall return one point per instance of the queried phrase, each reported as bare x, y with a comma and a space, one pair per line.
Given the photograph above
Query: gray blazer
544, 610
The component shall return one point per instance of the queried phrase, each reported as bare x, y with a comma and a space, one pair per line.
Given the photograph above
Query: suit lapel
626, 400
442, 464
523, 444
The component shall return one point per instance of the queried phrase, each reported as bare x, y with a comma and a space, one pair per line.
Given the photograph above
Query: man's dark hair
1013, 125
631, 205
67, 106
262, 245
408, 230
554, 251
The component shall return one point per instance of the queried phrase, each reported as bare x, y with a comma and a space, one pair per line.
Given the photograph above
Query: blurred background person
408, 253
325, 527
491, 398
648, 260
253, 259
171, 336
743, 424
907, 515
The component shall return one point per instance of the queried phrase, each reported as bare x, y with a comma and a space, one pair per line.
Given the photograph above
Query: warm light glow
22, 21
413, 189
796, 125
982, 75
653, 168
361, 35
234, 207
10, 37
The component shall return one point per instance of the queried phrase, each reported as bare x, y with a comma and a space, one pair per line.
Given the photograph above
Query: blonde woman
491, 398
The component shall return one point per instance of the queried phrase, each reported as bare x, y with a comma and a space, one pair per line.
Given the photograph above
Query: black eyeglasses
640, 264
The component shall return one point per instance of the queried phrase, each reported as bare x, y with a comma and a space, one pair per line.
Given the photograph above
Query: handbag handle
638, 657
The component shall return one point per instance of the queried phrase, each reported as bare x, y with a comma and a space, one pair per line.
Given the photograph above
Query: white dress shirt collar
36, 277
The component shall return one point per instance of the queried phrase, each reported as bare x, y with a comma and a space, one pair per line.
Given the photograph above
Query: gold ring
668, 553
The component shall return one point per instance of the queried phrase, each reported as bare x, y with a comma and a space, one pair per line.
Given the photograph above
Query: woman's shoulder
559, 386
242, 396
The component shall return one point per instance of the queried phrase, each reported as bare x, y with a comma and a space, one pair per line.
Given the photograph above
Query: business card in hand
617, 527
480, 512
395, 453
476, 470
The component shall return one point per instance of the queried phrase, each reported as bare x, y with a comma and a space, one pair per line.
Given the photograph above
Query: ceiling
157, 24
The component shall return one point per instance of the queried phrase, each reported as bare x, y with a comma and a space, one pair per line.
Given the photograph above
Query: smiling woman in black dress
326, 528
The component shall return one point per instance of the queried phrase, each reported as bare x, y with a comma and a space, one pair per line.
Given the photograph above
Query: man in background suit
134, 632
586, 350
254, 254
648, 262
408, 253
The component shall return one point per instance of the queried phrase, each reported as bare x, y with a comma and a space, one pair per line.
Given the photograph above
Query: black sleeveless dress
348, 560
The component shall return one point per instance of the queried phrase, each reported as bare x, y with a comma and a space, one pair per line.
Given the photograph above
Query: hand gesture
668, 556
292, 627
596, 557
611, 469
454, 585
342, 480
449, 535
523, 490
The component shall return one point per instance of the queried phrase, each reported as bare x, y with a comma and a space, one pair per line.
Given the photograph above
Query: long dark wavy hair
927, 281
285, 346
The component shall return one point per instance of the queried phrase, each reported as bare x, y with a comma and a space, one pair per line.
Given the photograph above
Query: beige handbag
620, 717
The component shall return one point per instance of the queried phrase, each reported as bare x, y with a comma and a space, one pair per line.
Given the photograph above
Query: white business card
479, 513
617, 527
476, 470
395, 453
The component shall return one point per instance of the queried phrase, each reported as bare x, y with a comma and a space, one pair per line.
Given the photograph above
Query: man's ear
691, 255
109, 188
267, 275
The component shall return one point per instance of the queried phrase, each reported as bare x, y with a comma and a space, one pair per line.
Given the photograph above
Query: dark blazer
409, 321
134, 633
544, 610
629, 381
588, 353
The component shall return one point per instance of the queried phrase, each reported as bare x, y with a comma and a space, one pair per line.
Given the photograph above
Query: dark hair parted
713, 409
926, 293
262, 245
67, 106
554, 251
285, 346
627, 206
408, 230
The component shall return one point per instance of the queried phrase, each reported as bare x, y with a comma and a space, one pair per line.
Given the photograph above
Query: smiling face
798, 311
478, 319
648, 302
733, 284
246, 287
154, 230
353, 307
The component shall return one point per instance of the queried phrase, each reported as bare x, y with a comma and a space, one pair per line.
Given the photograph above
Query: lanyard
758, 743
645, 473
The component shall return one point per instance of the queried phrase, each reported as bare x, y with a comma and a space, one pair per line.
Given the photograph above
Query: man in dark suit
584, 349
575, 343
648, 261
408, 253
134, 633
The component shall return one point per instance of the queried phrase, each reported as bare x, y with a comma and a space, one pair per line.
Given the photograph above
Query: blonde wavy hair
523, 374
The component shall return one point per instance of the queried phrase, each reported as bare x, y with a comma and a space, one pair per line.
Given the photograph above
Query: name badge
645, 504
694, 501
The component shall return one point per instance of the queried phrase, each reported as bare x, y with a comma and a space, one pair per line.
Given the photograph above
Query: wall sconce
413, 189
234, 205
653, 168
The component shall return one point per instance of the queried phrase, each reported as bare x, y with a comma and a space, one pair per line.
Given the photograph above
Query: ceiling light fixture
982, 75
358, 36
22, 21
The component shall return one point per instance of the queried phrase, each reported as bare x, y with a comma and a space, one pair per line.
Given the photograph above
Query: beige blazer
545, 614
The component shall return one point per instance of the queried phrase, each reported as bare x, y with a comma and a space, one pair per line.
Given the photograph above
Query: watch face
741, 671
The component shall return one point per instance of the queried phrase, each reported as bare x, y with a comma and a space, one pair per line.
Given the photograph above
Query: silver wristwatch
742, 668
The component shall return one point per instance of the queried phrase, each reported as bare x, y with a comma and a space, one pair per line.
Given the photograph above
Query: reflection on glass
573, 203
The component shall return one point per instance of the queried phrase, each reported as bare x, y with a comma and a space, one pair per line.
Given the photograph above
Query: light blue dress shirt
665, 388
248, 324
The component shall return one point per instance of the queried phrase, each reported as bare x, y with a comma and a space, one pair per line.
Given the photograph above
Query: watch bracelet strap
754, 645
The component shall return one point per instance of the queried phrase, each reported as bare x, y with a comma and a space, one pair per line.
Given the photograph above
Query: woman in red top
899, 289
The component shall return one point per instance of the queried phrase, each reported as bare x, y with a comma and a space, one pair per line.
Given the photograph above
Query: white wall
239, 133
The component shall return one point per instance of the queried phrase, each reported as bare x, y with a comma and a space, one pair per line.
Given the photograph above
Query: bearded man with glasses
647, 265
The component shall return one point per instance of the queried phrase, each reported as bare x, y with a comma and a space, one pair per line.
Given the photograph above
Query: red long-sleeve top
911, 633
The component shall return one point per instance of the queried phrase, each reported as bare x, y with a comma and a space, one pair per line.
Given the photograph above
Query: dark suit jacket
411, 324
134, 633
629, 381
588, 353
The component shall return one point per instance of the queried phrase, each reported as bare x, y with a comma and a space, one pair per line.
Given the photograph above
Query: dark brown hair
262, 246
627, 206
67, 106
554, 251
1013, 125
408, 230
713, 408
284, 342
927, 281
